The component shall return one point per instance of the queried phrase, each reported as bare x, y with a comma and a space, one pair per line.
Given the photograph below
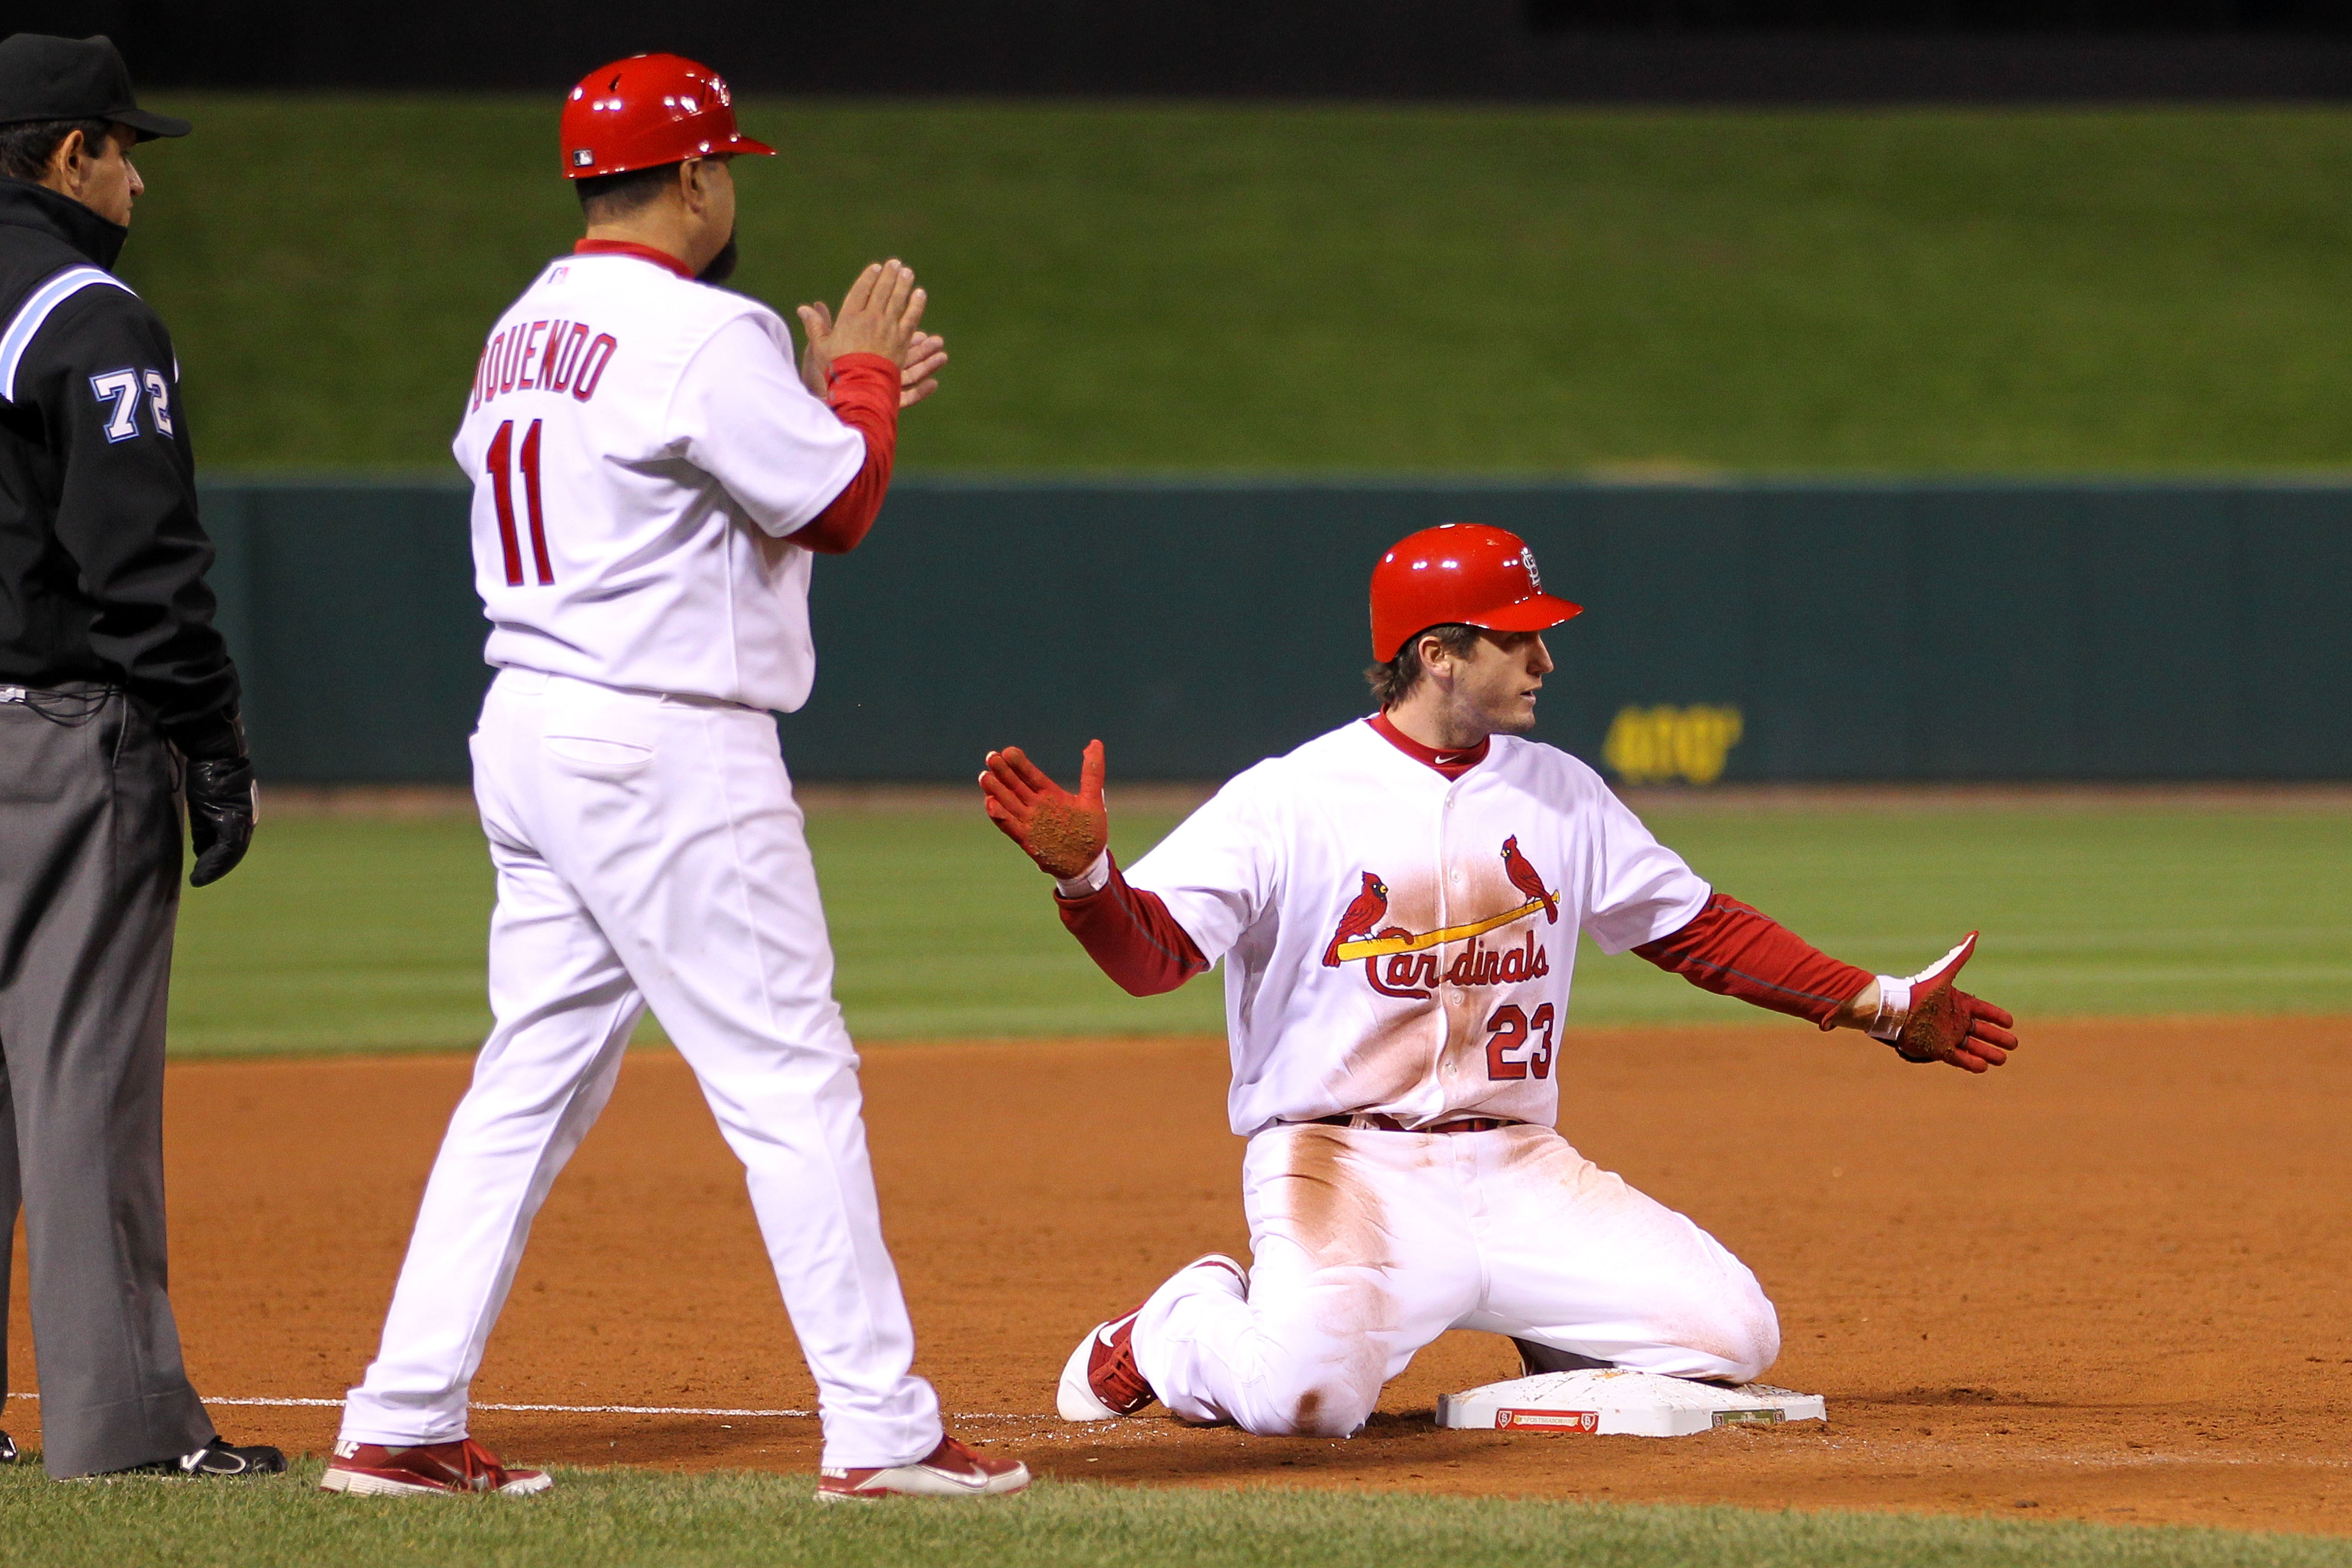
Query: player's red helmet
1464, 573
646, 111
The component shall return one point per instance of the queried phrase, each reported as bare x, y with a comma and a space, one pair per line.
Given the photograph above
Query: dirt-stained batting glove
1064, 832
1926, 1018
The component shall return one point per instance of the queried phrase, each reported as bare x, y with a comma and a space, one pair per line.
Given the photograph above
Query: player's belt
1374, 1122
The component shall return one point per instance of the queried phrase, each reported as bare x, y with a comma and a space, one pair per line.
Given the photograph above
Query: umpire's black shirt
101, 558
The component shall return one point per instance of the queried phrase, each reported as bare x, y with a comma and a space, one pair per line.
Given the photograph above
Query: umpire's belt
1371, 1121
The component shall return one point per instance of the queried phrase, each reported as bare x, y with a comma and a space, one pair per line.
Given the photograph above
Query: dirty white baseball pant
1367, 1245
648, 849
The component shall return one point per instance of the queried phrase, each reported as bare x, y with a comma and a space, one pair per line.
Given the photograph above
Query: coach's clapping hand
222, 801
882, 314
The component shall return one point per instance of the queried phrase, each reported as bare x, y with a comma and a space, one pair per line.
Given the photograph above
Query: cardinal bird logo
1523, 876
1365, 913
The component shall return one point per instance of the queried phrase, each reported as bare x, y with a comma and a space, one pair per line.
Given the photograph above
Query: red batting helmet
647, 110
1460, 573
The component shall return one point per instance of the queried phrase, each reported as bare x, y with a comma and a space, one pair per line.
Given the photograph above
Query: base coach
117, 701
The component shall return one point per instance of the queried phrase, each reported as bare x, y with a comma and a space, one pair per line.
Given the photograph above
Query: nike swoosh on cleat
970, 1483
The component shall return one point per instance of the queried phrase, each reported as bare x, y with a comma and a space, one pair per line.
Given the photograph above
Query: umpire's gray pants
89, 888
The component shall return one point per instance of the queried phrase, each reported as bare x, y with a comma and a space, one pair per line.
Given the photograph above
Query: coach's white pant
648, 848
1368, 1244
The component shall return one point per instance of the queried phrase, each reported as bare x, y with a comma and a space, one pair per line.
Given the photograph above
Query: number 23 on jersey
1518, 1045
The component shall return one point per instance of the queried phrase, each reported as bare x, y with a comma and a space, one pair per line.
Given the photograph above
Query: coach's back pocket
594, 730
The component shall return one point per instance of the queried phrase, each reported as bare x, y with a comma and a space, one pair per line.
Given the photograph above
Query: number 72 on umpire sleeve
1513, 1049
121, 389
500, 458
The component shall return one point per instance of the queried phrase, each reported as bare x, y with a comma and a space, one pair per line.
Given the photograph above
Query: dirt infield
2109, 1282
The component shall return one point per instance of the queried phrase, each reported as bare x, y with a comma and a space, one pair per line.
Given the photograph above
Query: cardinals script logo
1400, 963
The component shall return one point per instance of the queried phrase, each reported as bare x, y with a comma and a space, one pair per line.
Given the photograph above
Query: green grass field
613, 1519
1351, 288
343, 935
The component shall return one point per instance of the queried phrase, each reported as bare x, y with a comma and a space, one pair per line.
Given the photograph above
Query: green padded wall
1893, 631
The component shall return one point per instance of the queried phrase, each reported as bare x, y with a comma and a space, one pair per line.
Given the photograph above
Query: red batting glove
1064, 832
1939, 1022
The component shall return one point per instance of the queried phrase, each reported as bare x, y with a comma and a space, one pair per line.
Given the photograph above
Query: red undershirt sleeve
1735, 950
864, 395
1131, 936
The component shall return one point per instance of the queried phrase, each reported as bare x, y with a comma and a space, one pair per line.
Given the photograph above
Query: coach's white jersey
639, 446
1402, 943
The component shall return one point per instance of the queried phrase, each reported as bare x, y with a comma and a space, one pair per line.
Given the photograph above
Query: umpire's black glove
222, 803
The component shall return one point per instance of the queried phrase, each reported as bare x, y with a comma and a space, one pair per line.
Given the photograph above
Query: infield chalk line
590, 1409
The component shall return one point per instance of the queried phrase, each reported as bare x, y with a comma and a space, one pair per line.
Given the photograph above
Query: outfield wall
1749, 632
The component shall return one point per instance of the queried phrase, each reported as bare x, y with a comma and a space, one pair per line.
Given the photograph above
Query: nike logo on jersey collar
1449, 763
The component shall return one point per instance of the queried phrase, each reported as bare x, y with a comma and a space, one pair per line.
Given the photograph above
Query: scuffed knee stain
1310, 1405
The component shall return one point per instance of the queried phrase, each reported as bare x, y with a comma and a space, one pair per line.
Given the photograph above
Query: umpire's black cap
42, 77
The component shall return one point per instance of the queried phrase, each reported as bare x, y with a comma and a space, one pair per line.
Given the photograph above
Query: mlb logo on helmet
582, 158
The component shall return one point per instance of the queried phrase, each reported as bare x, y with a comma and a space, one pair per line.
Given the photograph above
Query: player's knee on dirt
1332, 1406
1734, 1335
1323, 1401
1748, 1336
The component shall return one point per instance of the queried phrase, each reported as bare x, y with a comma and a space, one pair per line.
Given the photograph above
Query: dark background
1594, 50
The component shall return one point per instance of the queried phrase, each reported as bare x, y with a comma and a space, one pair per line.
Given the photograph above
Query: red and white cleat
948, 1470
1100, 1380
371, 1469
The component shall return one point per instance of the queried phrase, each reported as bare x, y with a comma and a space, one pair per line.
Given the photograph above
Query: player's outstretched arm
1065, 834
1927, 1019
1734, 950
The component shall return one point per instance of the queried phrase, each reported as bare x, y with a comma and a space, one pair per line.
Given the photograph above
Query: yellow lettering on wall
1666, 745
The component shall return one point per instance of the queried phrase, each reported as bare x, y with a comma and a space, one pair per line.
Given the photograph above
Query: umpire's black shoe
216, 1458
7, 1449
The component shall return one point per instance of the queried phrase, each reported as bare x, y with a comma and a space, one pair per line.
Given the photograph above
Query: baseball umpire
117, 699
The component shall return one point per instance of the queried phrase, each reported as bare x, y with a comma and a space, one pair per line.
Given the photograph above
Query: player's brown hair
26, 146
1392, 682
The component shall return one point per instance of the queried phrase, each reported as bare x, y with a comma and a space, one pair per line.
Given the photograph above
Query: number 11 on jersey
502, 491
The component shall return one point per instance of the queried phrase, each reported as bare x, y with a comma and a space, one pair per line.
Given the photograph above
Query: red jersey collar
631, 247
1453, 764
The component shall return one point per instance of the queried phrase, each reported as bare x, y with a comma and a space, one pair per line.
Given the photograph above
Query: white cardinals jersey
640, 444
1400, 943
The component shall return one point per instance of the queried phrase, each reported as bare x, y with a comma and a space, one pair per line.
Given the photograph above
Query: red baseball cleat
371, 1469
1100, 1380
948, 1470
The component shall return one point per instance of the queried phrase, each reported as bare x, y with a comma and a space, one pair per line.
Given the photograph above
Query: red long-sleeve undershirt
1735, 950
1727, 947
863, 394
1132, 937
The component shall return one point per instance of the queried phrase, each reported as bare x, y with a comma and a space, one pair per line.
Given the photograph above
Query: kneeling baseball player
1398, 903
